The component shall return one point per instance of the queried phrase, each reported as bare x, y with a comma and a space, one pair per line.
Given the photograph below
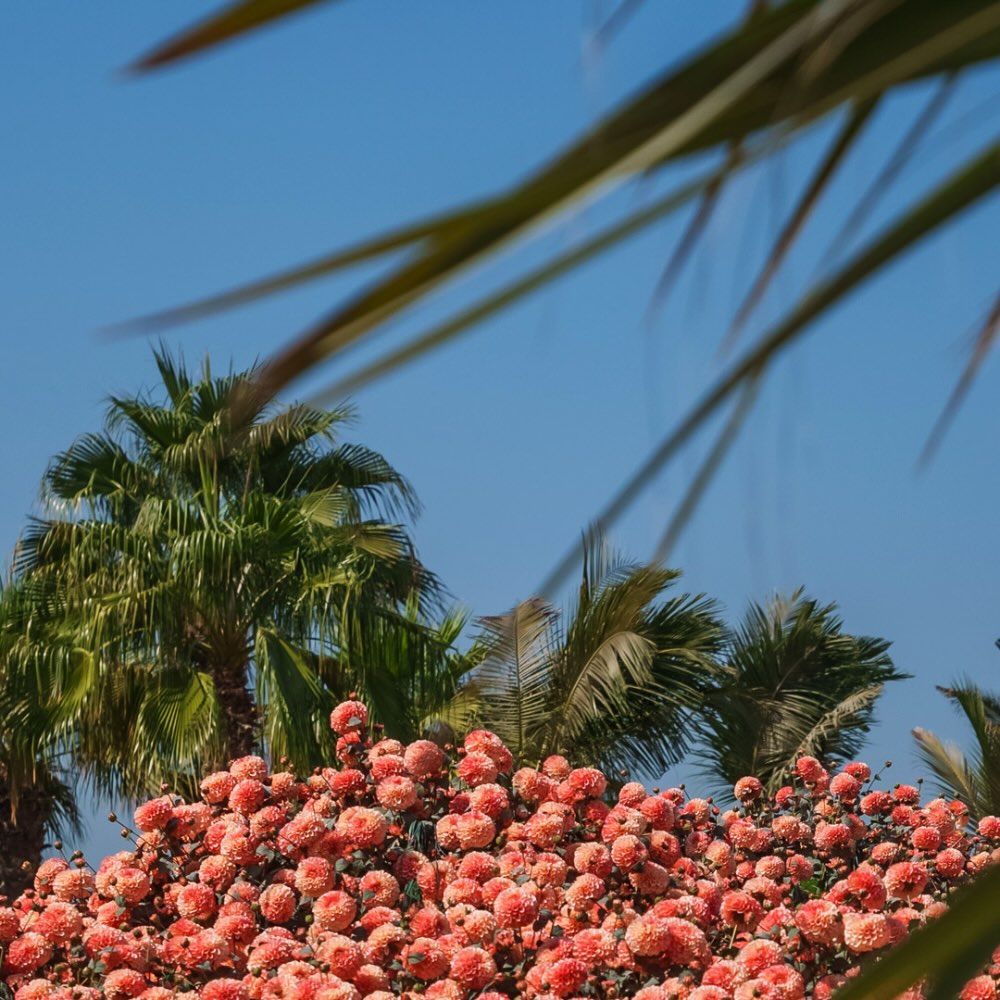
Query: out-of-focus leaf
706, 472
700, 219
391, 242
739, 86
786, 67
980, 349
957, 192
510, 294
843, 143
948, 951
899, 158
227, 24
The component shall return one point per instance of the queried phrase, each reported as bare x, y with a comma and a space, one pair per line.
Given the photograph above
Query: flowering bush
407, 871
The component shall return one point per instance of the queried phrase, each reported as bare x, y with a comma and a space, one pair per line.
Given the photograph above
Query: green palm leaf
974, 777
614, 687
511, 680
760, 85
792, 682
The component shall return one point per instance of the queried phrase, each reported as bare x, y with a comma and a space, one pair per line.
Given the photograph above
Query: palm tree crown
974, 777
614, 686
208, 566
792, 682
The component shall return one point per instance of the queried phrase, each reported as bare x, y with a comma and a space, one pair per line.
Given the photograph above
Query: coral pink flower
757, 955
809, 770
123, 983
388, 877
867, 887
425, 959
989, 827
477, 768
154, 815
348, 716
423, 759
628, 852
196, 902
648, 936
26, 953
224, 989
335, 911
845, 786
59, 922
277, 904
362, 826
865, 932
396, 792
247, 796
739, 909
906, 879
515, 908
980, 988
473, 968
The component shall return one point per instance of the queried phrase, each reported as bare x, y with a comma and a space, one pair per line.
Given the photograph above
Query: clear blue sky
122, 196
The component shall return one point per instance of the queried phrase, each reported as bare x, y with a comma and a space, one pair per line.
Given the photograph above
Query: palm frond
955, 777
511, 680
792, 683
972, 776
294, 699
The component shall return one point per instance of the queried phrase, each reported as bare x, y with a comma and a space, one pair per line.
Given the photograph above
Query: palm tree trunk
239, 712
22, 836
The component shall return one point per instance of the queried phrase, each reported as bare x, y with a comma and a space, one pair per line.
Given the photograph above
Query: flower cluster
411, 871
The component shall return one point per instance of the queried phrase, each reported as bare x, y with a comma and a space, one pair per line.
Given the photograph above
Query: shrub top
421, 871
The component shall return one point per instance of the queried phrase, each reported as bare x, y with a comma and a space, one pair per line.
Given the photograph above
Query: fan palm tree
204, 582
974, 778
613, 686
30, 762
790, 682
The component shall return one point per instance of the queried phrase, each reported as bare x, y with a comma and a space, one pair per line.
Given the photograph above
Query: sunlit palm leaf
512, 678
950, 767
296, 701
178, 726
793, 682
974, 777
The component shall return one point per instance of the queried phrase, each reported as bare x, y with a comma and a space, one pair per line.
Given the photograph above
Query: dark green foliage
790, 682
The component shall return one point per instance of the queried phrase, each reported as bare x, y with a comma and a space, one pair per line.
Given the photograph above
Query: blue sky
122, 196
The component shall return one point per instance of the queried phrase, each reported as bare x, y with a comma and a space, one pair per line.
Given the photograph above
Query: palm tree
974, 778
790, 682
211, 579
614, 686
37, 802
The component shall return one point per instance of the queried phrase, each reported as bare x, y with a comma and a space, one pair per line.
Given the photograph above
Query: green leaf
406, 237
295, 699
948, 951
825, 171
229, 23
979, 177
